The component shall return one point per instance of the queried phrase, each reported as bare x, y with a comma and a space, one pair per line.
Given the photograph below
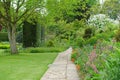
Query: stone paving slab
62, 68
71, 69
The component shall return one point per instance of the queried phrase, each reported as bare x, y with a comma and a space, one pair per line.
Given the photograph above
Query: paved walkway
62, 68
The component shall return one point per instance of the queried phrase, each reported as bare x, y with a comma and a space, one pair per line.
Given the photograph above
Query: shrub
29, 34
3, 36
50, 43
4, 46
42, 50
105, 35
117, 36
79, 42
91, 41
88, 33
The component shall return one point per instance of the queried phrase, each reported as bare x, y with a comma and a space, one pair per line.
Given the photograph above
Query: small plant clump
117, 36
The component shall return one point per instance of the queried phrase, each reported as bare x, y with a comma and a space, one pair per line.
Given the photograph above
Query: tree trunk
12, 39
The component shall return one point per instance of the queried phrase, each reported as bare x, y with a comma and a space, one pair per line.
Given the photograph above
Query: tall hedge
40, 33
3, 36
29, 34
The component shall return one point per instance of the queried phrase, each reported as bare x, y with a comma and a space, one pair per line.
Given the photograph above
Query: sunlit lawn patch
25, 66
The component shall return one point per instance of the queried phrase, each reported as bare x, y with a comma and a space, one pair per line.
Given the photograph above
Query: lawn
25, 66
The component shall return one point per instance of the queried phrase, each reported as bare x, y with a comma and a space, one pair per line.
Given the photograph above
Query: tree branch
26, 17
19, 5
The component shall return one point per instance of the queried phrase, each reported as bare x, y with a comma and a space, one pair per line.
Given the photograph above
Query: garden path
62, 68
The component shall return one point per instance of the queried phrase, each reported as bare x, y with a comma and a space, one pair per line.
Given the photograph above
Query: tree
82, 9
112, 8
69, 10
13, 13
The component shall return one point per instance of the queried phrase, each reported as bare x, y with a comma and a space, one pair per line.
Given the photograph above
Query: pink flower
94, 68
92, 56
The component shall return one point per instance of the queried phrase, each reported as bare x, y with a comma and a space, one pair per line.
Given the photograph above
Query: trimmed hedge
4, 46
42, 50
3, 36
29, 34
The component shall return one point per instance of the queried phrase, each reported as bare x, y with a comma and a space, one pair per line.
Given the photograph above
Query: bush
117, 36
29, 34
105, 36
4, 45
3, 36
91, 41
50, 43
79, 42
88, 33
42, 50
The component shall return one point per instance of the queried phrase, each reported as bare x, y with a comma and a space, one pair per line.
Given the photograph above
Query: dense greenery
29, 34
98, 56
43, 50
3, 36
13, 13
44, 27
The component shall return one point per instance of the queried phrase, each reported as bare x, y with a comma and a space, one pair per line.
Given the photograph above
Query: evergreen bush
3, 36
29, 34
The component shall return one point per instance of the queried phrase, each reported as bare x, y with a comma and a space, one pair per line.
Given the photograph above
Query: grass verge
25, 66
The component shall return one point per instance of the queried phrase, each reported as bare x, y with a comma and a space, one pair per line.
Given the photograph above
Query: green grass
25, 66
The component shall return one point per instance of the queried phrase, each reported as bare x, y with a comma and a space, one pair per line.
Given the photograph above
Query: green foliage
42, 50
113, 66
91, 41
69, 10
4, 46
117, 36
29, 34
13, 13
3, 36
103, 36
88, 33
106, 61
111, 8
19, 37
118, 45
50, 43
74, 56
111, 69
79, 42
81, 10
